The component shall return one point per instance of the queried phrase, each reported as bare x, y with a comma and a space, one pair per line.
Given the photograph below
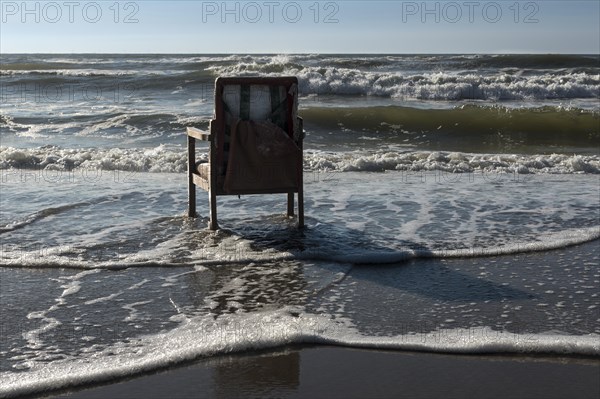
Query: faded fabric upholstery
262, 157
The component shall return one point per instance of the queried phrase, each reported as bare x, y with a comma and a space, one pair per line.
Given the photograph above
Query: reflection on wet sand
258, 376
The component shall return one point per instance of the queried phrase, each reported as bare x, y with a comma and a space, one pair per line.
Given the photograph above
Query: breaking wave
163, 159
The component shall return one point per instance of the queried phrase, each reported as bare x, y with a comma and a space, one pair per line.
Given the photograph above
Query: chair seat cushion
203, 169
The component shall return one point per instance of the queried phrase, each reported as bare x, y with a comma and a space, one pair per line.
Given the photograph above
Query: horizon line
297, 53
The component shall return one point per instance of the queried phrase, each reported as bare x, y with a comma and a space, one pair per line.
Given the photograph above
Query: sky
462, 26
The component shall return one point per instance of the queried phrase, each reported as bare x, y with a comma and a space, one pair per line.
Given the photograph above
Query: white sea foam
165, 159
451, 162
87, 72
234, 250
424, 86
201, 336
160, 159
546, 242
393, 217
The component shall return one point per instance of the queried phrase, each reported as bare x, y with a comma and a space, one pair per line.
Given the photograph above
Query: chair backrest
254, 98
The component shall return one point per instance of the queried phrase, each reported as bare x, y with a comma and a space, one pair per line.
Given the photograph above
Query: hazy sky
512, 26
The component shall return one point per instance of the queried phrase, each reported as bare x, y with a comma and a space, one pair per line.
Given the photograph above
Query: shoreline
344, 372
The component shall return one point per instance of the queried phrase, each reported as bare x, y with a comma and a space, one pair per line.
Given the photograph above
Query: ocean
452, 205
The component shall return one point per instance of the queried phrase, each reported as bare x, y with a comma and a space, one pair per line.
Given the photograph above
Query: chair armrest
199, 134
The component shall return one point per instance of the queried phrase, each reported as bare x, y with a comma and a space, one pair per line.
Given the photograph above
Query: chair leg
300, 208
301, 196
212, 199
290, 204
191, 198
191, 185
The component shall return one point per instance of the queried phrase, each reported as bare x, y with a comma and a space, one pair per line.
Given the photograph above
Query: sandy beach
338, 372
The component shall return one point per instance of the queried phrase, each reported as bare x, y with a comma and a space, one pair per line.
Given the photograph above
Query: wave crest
424, 86
164, 160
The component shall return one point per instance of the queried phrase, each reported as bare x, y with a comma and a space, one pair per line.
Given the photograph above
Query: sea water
452, 205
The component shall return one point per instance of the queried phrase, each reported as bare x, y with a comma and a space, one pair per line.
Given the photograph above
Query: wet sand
338, 372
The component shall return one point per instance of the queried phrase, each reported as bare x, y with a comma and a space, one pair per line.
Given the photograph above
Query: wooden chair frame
216, 135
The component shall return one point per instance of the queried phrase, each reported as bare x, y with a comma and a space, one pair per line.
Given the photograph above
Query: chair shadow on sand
324, 244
